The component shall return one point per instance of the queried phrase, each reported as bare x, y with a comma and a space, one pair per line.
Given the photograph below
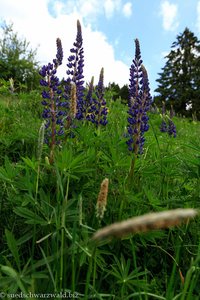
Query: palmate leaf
9, 271
9, 172
5, 281
31, 163
74, 164
12, 274
12, 245
124, 275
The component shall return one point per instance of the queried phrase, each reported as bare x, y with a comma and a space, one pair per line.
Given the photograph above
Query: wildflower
172, 127
163, 126
98, 110
148, 222
51, 95
59, 55
102, 199
89, 99
139, 103
75, 71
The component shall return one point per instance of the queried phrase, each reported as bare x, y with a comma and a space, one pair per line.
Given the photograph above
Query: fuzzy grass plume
147, 222
102, 199
41, 140
73, 104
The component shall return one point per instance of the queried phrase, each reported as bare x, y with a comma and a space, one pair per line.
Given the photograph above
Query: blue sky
109, 28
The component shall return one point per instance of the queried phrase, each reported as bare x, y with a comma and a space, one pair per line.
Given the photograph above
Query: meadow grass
48, 211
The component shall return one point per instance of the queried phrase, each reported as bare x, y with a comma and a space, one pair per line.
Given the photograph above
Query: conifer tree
179, 81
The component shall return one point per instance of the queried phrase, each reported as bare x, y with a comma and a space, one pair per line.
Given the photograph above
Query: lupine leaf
12, 244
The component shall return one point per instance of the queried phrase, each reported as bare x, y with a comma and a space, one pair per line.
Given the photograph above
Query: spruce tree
179, 81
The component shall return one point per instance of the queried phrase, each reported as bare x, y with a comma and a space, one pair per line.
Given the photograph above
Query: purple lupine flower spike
59, 55
89, 99
171, 127
75, 71
163, 126
52, 112
98, 110
103, 111
139, 103
135, 72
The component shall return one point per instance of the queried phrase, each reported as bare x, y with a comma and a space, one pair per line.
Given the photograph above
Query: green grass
48, 211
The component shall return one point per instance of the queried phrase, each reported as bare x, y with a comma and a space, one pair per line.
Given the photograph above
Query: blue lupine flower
172, 127
59, 55
97, 112
75, 71
89, 100
163, 126
52, 98
139, 103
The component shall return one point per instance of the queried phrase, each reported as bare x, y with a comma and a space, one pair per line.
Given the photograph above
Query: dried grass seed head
102, 199
147, 222
73, 104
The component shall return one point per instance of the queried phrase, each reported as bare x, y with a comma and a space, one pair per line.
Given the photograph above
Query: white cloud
127, 9
109, 8
91, 9
198, 17
101, 54
32, 20
87, 8
57, 7
169, 14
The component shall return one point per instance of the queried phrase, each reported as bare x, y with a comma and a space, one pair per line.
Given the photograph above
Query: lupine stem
131, 170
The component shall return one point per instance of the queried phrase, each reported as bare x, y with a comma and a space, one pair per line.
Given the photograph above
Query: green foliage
117, 92
48, 211
19, 124
17, 60
179, 80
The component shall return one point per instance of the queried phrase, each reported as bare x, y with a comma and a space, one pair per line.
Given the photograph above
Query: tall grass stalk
89, 273
63, 222
39, 155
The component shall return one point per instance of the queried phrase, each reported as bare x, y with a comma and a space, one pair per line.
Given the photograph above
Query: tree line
179, 80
